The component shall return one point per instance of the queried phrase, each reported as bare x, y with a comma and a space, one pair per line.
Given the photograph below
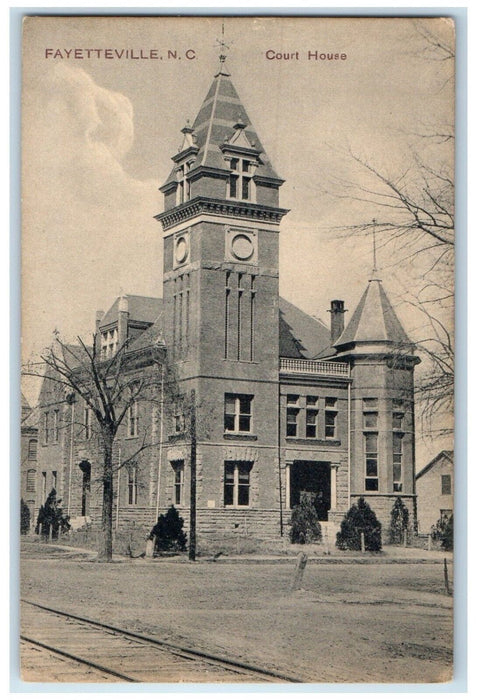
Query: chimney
99, 316
337, 312
123, 317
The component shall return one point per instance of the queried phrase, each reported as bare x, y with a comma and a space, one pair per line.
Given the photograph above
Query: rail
302, 366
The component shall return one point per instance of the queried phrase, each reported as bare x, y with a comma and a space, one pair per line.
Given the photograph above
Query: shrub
304, 524
360, 518
169, 532
399, 522
24, 518
443, 531
51, 518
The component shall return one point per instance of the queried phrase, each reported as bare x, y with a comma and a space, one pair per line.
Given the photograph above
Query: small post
50, 533
429, 542
299, 571
363, 548
446, 577
150, 548
405, 538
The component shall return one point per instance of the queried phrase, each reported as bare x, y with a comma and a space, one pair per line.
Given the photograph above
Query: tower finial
223, 48
374, 273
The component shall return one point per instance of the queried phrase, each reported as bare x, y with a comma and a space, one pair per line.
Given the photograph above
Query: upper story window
330, 416
238, 413
446, 488
397, 461
240, 180
371, 459
109, 343
32, 449
178, 417
293, 410
132, 485
133, 420
183, 183
56, 417
87, 423
311, 416
46, 427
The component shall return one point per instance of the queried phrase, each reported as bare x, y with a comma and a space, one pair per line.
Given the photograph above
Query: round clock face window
182, 250
242, 247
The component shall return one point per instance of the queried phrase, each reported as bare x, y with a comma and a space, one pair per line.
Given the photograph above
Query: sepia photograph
237, 371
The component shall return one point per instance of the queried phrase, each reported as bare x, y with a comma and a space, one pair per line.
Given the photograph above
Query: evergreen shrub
169, 532
304, 524
360, 518
399, 522
443, 531
51, 518
24, 518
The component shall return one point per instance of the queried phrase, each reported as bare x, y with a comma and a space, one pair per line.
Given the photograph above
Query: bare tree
410, 212
110, 388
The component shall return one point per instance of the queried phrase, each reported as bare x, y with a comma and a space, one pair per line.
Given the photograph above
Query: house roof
154, 335
445, 454
374, 320
145, 309
215, 125
300, 335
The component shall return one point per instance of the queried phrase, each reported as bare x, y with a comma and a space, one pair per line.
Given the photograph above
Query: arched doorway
85, 467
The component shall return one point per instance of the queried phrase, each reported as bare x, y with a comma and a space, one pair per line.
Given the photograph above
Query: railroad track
116, 654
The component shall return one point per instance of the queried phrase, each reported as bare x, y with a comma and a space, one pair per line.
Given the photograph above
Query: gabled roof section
142, 309
223, 120
300, 335
374, 320
152, 336
444, 455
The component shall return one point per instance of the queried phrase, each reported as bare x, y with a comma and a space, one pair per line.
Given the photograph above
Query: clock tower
221, 306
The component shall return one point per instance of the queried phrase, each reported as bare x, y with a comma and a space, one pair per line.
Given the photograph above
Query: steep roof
215, 124
145, 309
154, 335
374, 320
445, 454
300, 335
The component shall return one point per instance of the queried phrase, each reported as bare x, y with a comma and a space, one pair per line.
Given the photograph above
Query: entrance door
86, 487
314, 479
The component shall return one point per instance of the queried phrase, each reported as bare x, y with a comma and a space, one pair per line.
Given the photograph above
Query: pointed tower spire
222, 57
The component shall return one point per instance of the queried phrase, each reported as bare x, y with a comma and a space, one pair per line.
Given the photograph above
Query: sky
98, 135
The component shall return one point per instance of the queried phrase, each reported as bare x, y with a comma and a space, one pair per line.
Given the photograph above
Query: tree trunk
105, 550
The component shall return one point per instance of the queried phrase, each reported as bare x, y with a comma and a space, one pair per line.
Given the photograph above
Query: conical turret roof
223, 120
374, 320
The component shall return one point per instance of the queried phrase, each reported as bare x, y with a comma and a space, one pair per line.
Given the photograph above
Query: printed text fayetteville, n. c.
79, 54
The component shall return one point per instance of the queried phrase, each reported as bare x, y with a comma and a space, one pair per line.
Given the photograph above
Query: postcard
237, 454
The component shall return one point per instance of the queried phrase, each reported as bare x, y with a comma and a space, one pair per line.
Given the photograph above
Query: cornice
220, 207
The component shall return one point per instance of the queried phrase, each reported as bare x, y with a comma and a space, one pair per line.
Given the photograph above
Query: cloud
88, 228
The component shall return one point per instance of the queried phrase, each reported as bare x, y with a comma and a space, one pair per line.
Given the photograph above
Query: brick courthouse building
283, 405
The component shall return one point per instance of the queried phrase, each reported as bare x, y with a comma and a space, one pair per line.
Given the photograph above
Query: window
43, 487
132, 486
371, 458
54, 480
397, 462
178, 495
56, 414
292, 414
237, 483
311, 416
46, 426
32, 449
87, 423
109, 343
133, 420
238, 413
446, 488
31, 480
330, 417
240, 180
179, 418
